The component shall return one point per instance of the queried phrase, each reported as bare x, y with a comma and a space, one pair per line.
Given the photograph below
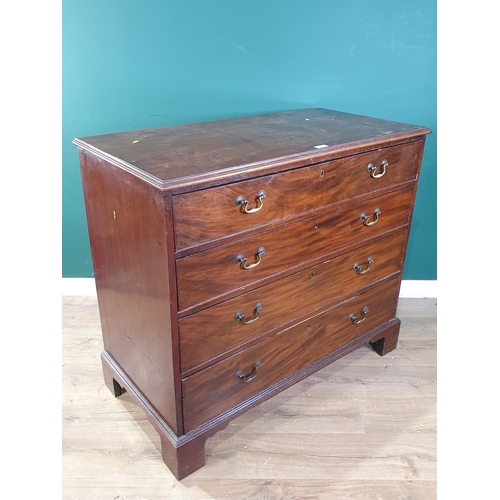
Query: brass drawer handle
248, 378
241, 202
373, 170
365, 218
359, 269
256, 313
357, 321
258, 257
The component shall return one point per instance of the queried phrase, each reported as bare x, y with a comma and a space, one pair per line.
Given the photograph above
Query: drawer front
211, 214
218, 271
218, 329
217, 389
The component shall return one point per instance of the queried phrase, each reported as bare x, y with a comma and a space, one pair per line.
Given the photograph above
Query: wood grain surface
287, 249
212, 214
191, 154
216, 389
214, 331
131, 267
362, 428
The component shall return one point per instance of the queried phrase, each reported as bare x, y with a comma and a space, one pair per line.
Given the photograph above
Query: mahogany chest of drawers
234, 258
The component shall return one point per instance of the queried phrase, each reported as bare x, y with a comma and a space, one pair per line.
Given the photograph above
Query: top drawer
215, 213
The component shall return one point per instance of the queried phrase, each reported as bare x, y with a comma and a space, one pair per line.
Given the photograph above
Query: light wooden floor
362, 428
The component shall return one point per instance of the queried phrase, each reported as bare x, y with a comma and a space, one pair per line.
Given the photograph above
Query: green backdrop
132, 65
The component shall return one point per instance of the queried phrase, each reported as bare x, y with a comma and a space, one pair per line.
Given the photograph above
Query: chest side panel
128, 238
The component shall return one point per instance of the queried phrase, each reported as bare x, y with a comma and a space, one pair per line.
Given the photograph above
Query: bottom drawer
222, 386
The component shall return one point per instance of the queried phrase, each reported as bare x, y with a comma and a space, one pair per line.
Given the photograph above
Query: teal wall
132, 65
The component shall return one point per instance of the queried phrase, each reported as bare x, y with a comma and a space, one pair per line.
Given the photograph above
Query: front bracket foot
388, 341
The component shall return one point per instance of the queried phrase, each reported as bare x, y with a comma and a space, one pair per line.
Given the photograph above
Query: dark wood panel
192, 153
126, 220
213, 273
211, 214
217, 389
214, 331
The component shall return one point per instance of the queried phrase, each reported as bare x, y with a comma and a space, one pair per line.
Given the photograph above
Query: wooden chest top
177, 157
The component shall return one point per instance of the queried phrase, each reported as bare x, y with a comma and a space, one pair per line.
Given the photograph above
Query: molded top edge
180, 156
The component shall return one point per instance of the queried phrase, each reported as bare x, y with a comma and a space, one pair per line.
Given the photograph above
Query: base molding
409, 288
186, 453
